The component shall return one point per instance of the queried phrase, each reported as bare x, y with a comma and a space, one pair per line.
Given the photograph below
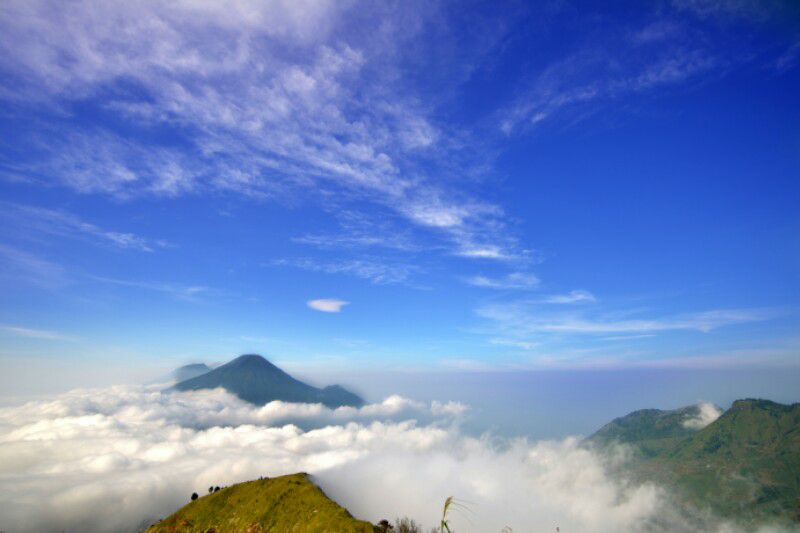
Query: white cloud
438, 215
522, 318
31, 268
628, 337
789, 58
327, 305
483, 251
570, 298
524, 345
183, 292
515, 280
363, 240
658, 31
35, 333
377, 272
40, 221
119, 458
468, 365
362, 230
272, 99
617, 64
713, 8
706, 414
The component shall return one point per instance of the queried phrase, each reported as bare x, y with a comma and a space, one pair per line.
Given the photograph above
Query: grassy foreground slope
282, 504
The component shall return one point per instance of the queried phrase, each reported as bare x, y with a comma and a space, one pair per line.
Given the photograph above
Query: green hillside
745, 465
283, 504
653, 431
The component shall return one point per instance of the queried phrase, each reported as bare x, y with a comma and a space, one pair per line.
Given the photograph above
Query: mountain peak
251, 360
251, 357
757, 403
254, 379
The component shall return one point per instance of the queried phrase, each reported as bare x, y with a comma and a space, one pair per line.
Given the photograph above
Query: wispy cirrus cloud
38, 221
349, 241
359, 230
283, 102
754, 9
627, 337
523, 319
192, 293
780, 352
31, 268
375, 271
580, 85
523, 345
35, 333
789, 58
683, 42
512, 281
571, 297
489, 249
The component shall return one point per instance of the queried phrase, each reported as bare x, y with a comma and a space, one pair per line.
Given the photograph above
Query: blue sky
423, 185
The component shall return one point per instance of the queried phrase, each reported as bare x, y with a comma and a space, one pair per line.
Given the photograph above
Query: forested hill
743, 465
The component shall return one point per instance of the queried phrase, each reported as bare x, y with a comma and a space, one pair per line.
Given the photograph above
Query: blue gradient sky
488, 186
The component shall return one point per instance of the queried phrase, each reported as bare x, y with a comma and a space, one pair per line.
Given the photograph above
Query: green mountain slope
283, 504
653, 431
254, 379
744, 465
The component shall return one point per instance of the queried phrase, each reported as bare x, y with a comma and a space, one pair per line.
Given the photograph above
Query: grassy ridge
283, 504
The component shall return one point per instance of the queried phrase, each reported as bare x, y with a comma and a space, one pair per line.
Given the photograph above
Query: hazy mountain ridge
651, 430
190, 371
254, 379
745, 464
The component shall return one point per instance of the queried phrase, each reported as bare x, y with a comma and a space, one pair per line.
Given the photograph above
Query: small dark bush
194, 496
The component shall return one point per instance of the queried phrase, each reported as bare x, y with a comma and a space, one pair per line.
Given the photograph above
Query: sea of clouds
119, 458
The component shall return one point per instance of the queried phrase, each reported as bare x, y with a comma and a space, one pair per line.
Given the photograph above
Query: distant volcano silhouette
254, 379
190, 371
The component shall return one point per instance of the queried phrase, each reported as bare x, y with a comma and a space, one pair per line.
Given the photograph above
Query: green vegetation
445, 525
450, 505
744, 466
283, 504
652, 431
